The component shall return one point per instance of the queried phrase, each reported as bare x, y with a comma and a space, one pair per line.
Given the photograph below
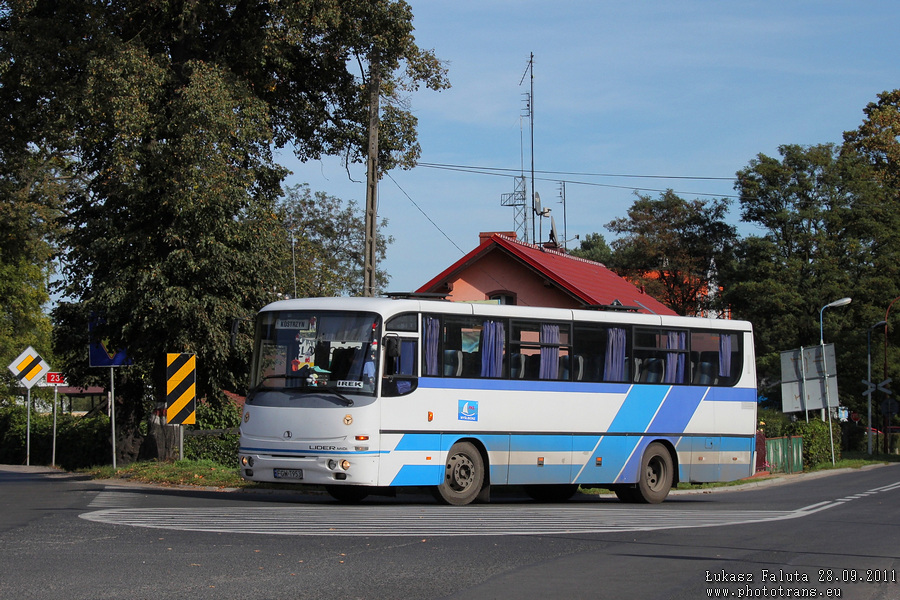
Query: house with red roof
505, 269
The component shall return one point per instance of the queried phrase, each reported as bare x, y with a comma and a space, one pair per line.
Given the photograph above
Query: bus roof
388, 307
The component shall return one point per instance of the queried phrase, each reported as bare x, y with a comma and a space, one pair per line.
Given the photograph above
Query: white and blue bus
366, 395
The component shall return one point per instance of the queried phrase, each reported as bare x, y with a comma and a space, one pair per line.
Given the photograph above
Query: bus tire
463, 475
551, 493
656, 475
347, 494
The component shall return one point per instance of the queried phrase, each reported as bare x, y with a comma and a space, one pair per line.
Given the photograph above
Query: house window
503, 297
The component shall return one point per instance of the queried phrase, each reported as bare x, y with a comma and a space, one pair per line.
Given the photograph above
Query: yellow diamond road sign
29, 367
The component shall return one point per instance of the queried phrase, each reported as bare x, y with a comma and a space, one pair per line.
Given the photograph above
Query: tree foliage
593, 247
32, 188
168, 112
819, 210
673, 247
326, 256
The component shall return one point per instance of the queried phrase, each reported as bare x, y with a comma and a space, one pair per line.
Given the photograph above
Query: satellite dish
538, 209
554, 237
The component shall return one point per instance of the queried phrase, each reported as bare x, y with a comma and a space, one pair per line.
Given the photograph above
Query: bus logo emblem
468, 410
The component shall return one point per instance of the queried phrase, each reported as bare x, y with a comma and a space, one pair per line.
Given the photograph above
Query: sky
627, 95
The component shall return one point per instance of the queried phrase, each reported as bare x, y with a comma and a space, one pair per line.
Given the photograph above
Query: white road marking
418, 520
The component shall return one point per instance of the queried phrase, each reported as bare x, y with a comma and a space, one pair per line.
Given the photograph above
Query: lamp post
886, 313
872, 391
836, 303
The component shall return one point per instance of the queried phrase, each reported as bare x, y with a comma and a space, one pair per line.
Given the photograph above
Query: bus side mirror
235, 327
391, 346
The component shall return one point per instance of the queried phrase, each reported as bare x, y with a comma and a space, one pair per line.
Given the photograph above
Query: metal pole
869, 379
112, 411
28, 432
55, 398
803, 395
841, 302
886, 313
827, 401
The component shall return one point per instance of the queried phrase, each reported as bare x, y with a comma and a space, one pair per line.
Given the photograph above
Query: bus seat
652, 371
705, 374
452, 363
517, 366
577, 367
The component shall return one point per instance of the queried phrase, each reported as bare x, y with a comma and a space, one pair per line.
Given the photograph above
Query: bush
816, 445
80, 441
775, 423
221, 448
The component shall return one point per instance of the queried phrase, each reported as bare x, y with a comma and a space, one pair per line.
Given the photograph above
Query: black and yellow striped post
181, 394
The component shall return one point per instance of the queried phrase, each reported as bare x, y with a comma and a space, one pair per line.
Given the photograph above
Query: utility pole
372, 179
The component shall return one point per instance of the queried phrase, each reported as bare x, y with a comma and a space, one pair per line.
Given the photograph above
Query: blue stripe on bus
738, 444
677, 410
425, 442
613, 450
540, 443
638, 409
419, 475
719, 394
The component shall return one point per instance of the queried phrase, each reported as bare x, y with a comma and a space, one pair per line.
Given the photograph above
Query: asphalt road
65, 537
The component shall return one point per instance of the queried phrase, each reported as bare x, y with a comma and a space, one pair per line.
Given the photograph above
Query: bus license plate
288, 473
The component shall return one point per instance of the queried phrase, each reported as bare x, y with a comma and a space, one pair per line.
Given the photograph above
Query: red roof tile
591, 282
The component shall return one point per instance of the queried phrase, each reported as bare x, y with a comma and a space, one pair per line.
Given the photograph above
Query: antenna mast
529, 108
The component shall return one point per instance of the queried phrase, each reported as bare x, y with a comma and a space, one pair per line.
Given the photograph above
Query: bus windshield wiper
346, 401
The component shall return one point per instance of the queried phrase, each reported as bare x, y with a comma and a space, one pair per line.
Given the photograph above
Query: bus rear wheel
463, 475
656, 475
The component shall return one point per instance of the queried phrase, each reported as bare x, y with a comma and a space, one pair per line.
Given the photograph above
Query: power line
500, 172
576, 173
430, 220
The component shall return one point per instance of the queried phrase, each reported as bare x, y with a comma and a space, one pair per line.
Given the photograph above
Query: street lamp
871, 390
836, 303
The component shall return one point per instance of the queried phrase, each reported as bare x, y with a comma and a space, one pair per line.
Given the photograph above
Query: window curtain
432, 339
676, 340
549, 351
614, 366
492, 345
724, 355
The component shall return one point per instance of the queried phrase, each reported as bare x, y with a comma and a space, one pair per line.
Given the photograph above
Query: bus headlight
247, 461
345, 464
332, 464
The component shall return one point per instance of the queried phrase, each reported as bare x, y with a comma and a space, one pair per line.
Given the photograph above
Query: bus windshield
303, 350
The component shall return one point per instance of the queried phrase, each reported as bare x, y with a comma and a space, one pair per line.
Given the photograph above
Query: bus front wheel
656, 475
463, 475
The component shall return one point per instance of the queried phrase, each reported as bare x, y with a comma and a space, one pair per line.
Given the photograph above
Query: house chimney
486, 235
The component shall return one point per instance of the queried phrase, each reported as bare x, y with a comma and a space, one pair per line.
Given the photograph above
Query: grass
180, 472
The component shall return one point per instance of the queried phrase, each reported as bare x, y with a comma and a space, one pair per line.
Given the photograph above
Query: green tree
593, 247
877, 142
674, 248
169, 113
326, 258
814, 205
31, 195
